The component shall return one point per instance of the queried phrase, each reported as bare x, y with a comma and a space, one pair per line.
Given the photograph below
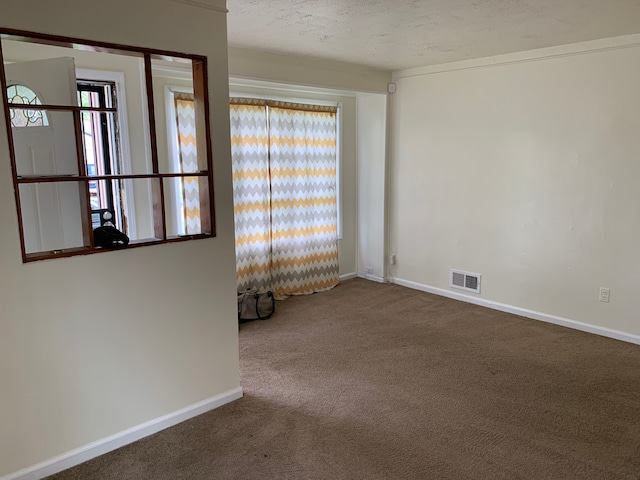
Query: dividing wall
123, 342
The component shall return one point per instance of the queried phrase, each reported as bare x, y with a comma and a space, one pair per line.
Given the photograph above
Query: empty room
455, 282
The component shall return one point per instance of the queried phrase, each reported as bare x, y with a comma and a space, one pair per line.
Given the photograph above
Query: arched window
20, 94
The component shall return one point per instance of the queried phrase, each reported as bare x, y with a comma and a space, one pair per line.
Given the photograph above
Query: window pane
47, 150
100, 142
52, 215
104, 196
175, 116
182, 200
184, 154
129, 203
148, 221
50, 80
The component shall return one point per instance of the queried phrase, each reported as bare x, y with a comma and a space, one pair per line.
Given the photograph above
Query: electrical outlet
605, 293
368, 270
392, 259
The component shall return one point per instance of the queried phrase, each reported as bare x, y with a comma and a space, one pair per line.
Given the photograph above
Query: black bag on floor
255, 306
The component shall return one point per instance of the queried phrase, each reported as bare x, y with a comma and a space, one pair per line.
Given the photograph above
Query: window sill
72, 252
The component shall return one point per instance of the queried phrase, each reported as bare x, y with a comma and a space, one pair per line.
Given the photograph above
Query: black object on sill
110, 237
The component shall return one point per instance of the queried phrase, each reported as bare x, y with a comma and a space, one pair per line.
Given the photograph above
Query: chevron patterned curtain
186, 128
251, 195
303, 199
284, 186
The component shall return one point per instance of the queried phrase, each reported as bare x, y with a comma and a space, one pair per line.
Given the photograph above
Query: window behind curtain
284, 162
188, 159
251, 195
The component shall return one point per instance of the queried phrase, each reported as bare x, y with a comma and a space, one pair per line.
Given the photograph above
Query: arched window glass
20, 94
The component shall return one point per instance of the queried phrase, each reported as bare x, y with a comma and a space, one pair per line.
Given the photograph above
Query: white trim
206, 4
523, 312
348, 276
602, 45
113, 442
288, 89
184, 73
373, 278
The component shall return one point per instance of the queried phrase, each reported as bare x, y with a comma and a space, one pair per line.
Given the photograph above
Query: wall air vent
465, 281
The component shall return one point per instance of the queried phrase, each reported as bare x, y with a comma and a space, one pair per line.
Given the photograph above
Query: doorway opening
101, 151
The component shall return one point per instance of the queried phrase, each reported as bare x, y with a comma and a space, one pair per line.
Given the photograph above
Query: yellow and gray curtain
251, 195
284, 183
188, 154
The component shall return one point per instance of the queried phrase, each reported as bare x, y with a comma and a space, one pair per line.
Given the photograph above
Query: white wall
91, 346
527, 173
372, 164
296, 70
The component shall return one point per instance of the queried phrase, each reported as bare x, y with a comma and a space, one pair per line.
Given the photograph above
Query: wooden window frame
205, 162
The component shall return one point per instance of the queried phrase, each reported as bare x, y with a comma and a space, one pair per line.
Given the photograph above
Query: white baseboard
373, 278
95, 449
348, 276
523, 312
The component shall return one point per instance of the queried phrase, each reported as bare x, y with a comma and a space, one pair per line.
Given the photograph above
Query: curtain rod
286, 105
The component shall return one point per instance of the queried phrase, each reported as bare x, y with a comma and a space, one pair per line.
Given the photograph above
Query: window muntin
102, 186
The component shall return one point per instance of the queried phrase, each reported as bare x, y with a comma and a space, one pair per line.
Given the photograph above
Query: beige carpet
373, 381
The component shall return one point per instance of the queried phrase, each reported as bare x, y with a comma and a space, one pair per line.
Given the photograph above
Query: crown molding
581, 48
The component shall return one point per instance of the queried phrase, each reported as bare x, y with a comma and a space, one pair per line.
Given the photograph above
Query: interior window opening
82, 183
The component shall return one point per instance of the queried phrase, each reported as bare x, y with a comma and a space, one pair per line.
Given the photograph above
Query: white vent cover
465, 281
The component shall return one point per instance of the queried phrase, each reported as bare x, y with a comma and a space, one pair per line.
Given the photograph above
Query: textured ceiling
399, 34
